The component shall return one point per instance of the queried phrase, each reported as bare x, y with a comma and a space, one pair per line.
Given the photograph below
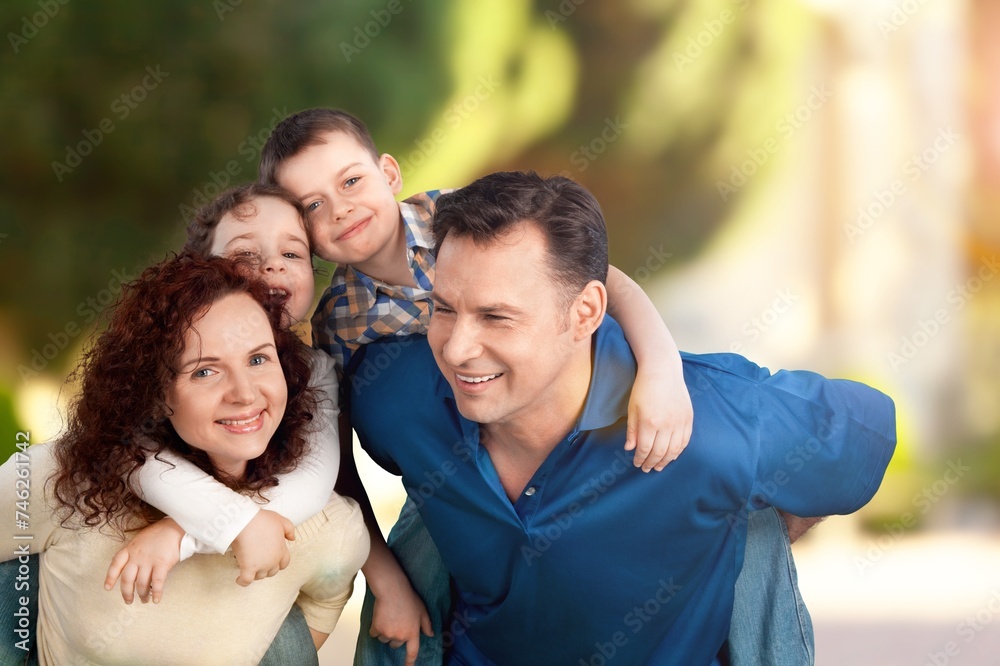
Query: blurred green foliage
120, 116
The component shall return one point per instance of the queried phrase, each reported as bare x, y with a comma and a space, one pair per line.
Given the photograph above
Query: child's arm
399, 615
215, 517
659, 412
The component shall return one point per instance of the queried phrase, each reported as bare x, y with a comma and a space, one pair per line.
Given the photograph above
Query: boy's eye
351, 181
290, 255
313, 206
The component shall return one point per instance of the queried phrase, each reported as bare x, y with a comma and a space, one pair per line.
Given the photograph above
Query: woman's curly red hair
120, 417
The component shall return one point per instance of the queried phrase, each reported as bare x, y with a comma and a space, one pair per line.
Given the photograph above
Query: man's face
499, 331
349, 198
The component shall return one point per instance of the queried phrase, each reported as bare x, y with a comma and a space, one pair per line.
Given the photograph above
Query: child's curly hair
120, 416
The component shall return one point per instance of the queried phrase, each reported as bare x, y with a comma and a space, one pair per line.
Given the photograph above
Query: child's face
274, 237
349, 198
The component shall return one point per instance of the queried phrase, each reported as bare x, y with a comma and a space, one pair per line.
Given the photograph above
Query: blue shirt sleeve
824, 443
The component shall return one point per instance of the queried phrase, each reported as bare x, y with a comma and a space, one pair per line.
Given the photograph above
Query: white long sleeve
212, 515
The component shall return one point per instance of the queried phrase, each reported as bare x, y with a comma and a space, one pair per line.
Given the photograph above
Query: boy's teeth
477, 380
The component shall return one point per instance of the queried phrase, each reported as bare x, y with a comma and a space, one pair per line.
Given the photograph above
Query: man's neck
519, 447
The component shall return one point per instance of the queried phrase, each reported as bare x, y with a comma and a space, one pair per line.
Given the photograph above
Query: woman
193, 362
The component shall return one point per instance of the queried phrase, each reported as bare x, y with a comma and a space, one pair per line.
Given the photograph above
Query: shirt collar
362, 287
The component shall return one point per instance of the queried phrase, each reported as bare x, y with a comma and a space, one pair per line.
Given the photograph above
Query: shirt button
530, 491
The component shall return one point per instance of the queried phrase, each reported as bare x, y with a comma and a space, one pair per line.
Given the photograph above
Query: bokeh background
809, 183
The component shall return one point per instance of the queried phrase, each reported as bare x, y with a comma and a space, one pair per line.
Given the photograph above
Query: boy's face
349, 198
276, 241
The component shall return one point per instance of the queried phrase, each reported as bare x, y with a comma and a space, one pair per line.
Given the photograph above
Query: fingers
118, 563
288, 528
157, 581
128, 577
425, 625
412, 649
142, 584
630, 433
645, 442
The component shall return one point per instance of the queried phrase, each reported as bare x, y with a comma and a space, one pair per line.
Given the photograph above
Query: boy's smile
350, 202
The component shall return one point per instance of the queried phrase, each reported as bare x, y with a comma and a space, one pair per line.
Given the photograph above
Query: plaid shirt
356, 310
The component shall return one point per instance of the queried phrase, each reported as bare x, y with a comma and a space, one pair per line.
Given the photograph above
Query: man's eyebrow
499, 308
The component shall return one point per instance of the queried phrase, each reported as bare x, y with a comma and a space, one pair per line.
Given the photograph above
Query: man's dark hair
566, 213
306, 128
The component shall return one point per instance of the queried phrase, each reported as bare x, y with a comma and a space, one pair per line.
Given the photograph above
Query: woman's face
230, 393
274, 237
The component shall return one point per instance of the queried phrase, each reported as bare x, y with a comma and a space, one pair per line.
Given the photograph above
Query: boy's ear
588, 309
393, 175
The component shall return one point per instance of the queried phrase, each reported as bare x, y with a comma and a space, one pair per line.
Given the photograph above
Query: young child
381, 287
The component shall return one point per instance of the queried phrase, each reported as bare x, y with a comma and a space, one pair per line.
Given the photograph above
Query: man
560, 551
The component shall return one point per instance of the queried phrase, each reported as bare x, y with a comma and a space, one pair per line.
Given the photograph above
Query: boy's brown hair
239, 202
306, 128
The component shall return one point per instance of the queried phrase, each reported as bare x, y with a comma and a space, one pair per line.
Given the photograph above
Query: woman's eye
313, 206
202, 372
291, 255
258, 359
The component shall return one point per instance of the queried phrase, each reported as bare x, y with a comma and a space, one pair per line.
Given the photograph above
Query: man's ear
393, 175
588, 309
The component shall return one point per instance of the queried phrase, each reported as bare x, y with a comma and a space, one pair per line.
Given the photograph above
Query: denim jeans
293, 646
770, 624
412, 545
15, 585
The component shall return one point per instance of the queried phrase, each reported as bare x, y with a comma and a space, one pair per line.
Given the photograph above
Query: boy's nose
273, 264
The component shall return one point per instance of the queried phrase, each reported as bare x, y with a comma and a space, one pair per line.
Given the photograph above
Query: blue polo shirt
596, 562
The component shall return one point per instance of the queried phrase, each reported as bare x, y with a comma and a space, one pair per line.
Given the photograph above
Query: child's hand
399, 617
145, 561
660, 418
260, 549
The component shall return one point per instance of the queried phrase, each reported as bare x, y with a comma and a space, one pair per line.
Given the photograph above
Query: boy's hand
660, 418
260, 549
399, 618
145, 561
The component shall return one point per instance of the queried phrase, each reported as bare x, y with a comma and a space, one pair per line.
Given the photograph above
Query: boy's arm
399, 614
660, 415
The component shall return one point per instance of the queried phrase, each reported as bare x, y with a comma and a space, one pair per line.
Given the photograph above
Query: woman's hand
260, 549
145, 561
660, 418
399, 617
